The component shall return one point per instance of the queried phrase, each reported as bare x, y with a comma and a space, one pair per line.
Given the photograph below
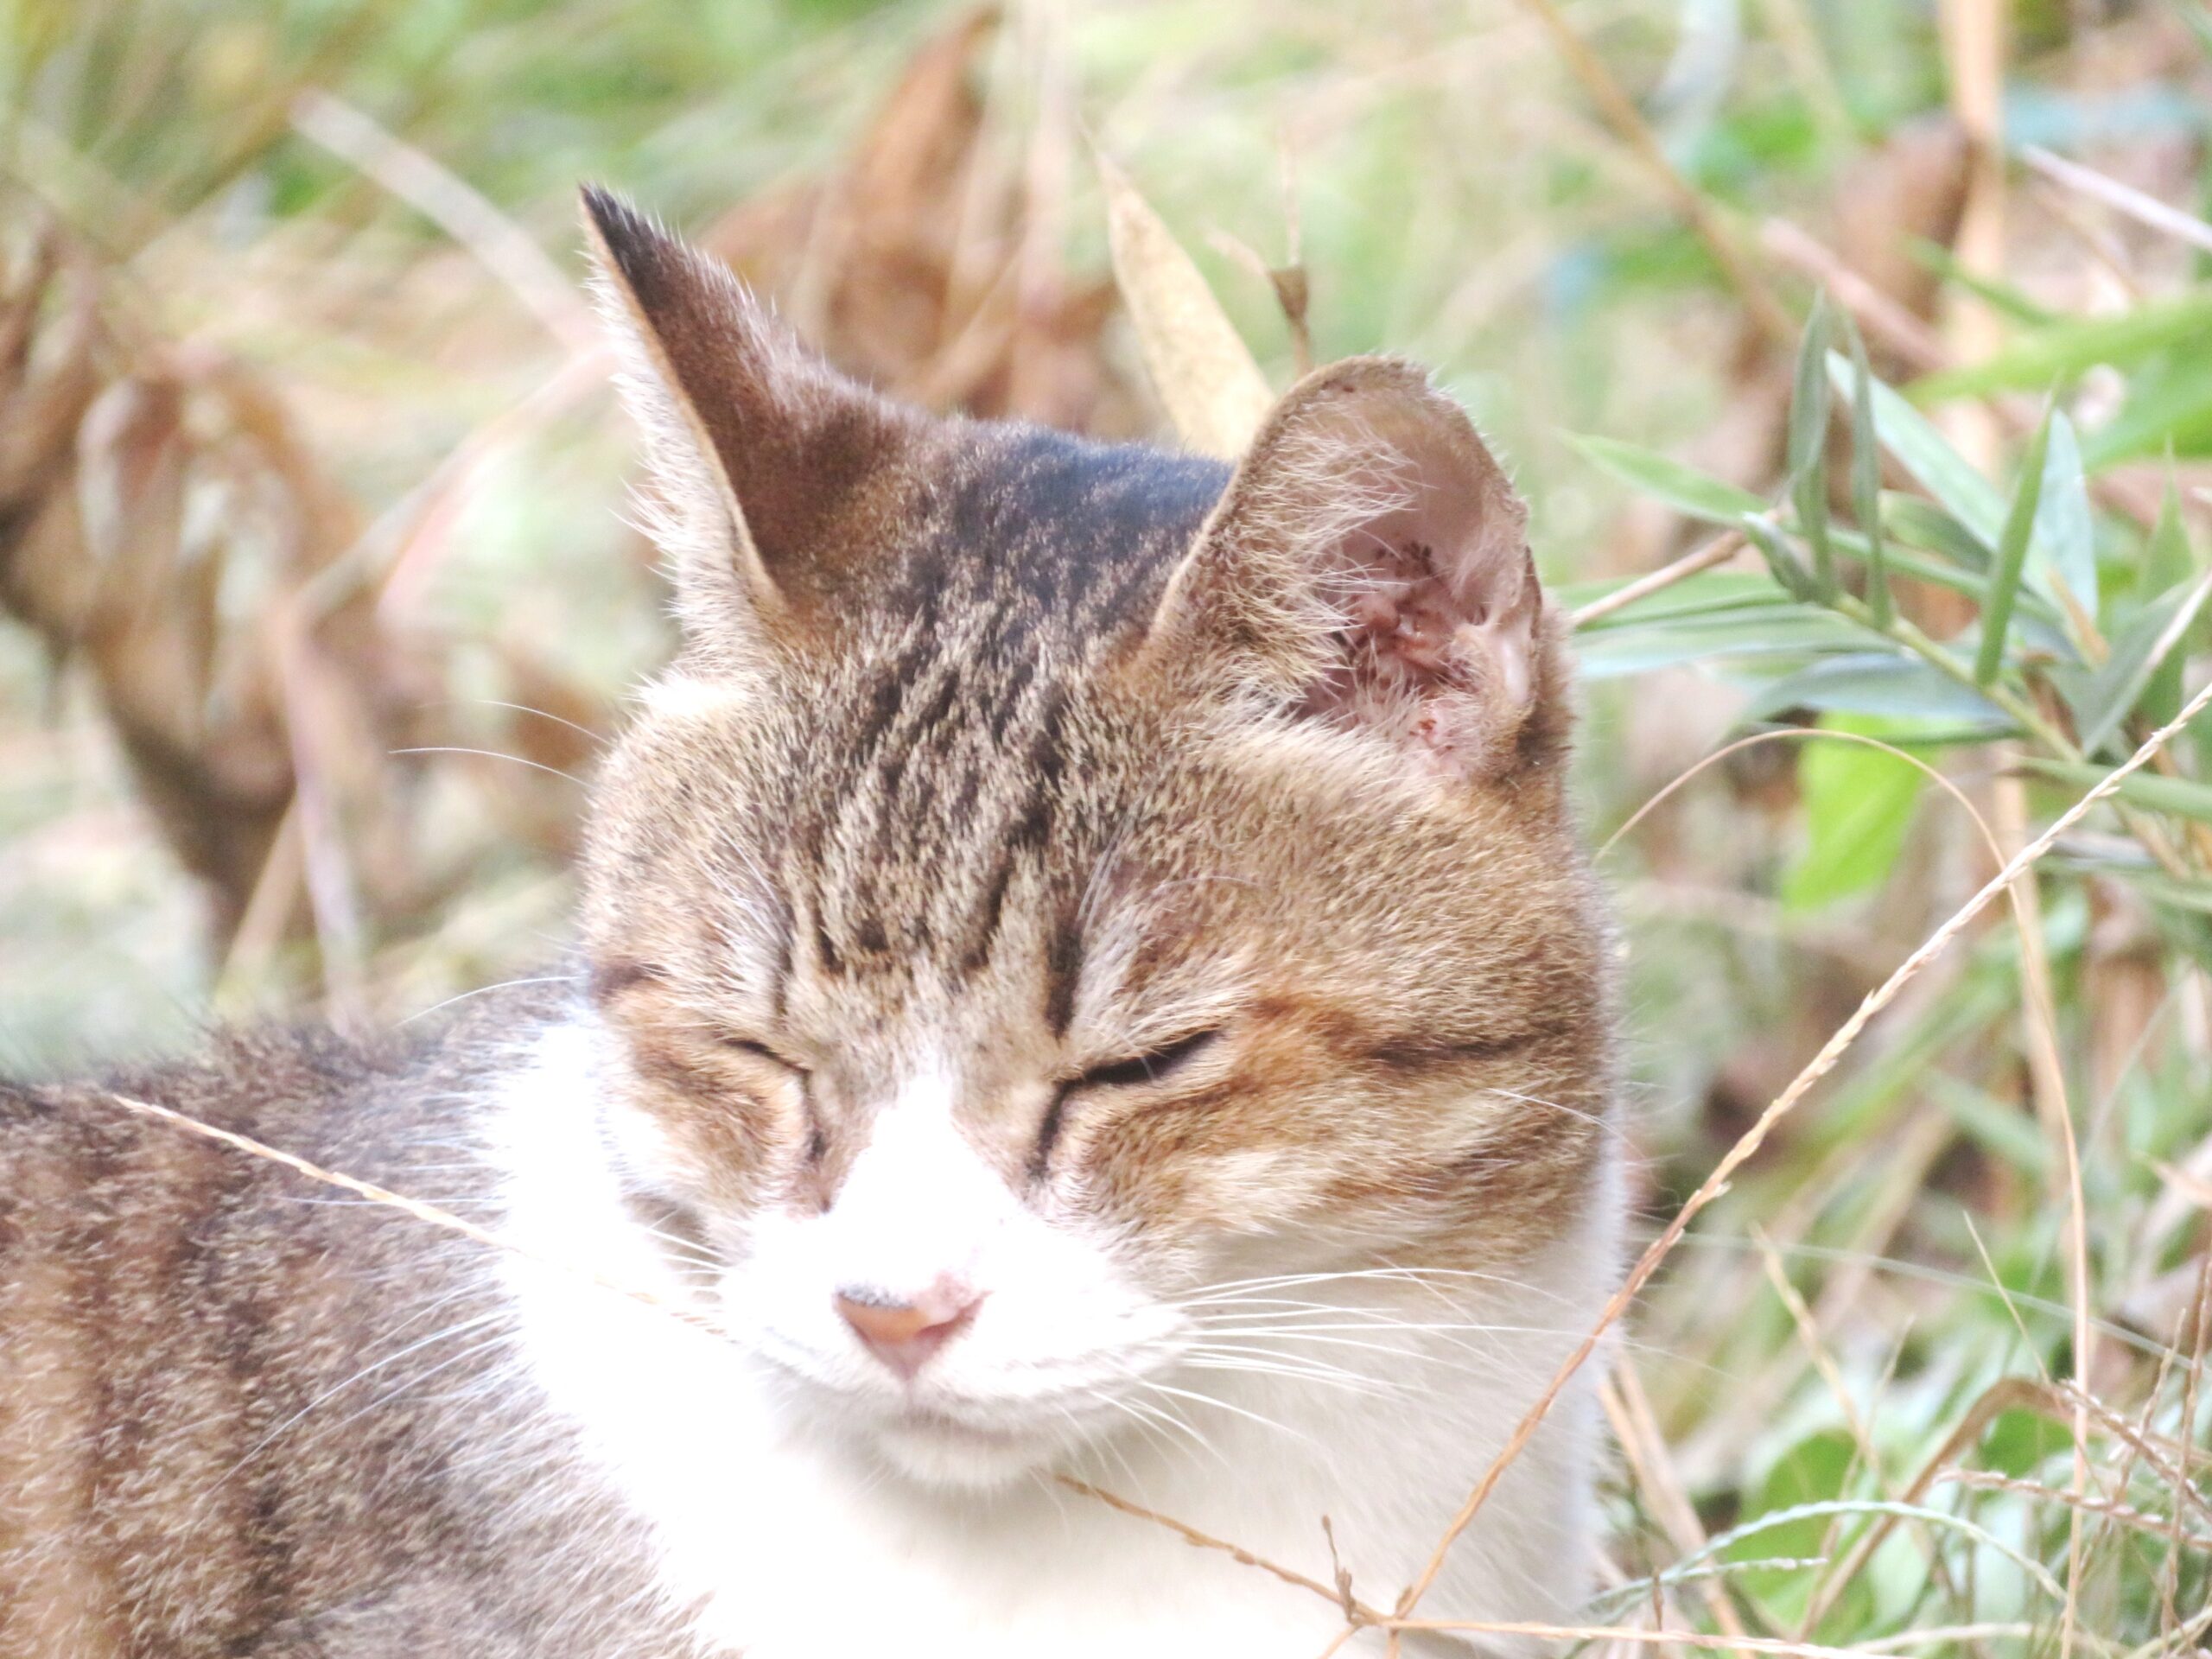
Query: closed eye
1153, 1065
758, 1051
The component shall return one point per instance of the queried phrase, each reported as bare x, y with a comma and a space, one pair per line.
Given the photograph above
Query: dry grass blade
457, 207
1213, 391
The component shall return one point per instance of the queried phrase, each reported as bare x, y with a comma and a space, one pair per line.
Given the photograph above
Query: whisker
486, 990
1224, 1405
491, 755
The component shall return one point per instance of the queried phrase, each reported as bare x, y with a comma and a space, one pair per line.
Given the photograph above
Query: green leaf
1877, 682
1928, 455
2142, 649
2168, 562
1808, 394
1866, 477
2064, 350
1859, 804
2001, 297
1997, 1125
2064, 547
2182, 797
2168, 407
1792, 631
1781, 559
2168, 559
1812, 1471
2011, 557
1922, 524
1696, 494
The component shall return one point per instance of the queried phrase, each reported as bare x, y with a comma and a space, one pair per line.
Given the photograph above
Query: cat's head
1056, 882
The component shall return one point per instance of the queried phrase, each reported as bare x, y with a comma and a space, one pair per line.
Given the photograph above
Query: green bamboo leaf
1866, 476
1859, 804
2063, 551
2182, 798
2168, 562
1793, 631
1891, 686
2168, 407
1781, 559
2064, 350
1808, 394
1809, 494
2148, 644
2011, 557
1924, 524
2168, 559
2001, 297
1928, 455
1696, 494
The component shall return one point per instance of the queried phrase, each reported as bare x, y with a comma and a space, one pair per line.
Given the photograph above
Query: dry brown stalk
2111, 1509
1628, 1409
1888, 320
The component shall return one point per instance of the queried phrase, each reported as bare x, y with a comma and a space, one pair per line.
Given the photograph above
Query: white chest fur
788, 1544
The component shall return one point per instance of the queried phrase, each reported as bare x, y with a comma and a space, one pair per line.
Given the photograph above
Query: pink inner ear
1440, 610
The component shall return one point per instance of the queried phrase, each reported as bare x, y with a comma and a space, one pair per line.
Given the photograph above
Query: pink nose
902, 1334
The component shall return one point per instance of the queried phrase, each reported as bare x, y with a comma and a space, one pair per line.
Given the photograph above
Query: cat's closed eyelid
1153, 1065
739, 1043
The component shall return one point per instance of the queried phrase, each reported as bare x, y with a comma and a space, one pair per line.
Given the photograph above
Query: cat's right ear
757, 446
1368, 569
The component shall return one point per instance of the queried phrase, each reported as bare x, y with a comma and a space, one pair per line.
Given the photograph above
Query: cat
1085, 970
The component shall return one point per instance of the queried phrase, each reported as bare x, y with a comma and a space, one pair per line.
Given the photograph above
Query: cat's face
1060, 889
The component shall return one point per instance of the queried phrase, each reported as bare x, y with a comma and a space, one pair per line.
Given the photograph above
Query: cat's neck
789, 1540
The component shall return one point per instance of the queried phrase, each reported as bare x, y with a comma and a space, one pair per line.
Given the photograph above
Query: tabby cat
1085, 971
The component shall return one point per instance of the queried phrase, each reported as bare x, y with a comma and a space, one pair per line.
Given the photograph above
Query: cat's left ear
1369, 567
763, 456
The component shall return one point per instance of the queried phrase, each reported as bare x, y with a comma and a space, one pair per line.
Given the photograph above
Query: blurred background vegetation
311, 534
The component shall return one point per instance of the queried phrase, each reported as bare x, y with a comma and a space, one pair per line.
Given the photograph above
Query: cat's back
231, 1399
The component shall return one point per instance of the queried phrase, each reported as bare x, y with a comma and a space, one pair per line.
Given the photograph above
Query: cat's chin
933, 1450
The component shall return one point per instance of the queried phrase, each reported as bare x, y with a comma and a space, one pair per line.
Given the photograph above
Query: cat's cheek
1175, 1178
722, 1149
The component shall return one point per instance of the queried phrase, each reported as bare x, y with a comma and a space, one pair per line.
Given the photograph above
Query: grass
1923, 1375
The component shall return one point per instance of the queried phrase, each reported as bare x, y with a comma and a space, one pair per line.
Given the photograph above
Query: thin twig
1718, 551
2122, 198
1895, 325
